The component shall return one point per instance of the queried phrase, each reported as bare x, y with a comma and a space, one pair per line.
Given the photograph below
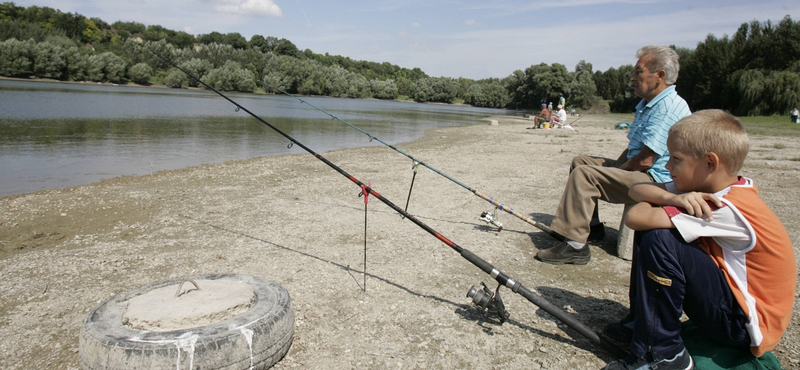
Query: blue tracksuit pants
670, 276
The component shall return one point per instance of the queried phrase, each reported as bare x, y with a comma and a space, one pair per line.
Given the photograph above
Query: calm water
60, 135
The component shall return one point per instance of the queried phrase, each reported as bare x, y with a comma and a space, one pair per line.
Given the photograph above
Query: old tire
255, 339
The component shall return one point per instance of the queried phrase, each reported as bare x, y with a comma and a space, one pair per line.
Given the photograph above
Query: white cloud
415, 24
402, 34
264, 8
469, 22
606, 43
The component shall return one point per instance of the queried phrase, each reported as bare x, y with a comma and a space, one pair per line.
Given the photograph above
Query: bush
198, 68
176, 79
16, 57
140, 73
230, 77
386, 90
106, 67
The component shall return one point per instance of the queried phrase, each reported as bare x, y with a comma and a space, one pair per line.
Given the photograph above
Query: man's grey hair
662, 57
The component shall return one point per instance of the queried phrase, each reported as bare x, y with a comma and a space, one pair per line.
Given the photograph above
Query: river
57, 135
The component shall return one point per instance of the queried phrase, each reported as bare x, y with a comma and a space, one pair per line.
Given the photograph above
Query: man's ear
712, 161
662, 74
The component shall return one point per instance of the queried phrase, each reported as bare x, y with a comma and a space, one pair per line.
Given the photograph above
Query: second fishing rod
487, 216
481, 297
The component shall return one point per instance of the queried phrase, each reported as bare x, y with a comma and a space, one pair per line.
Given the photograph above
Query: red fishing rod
483, 298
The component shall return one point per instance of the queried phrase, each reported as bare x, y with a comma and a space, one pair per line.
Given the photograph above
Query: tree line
754, 72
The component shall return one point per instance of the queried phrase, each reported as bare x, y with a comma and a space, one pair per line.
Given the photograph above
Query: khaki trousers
590, 179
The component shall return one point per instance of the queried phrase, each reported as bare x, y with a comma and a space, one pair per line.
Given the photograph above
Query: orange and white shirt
752, 248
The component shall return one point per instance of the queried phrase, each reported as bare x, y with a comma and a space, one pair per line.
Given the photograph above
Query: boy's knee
656, 236
660, 241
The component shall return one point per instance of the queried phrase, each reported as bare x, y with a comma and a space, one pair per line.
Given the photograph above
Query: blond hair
713, 131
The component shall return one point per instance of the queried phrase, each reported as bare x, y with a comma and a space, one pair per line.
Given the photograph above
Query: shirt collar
661, 95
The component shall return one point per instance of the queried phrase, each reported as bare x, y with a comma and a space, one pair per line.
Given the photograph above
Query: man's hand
640, 162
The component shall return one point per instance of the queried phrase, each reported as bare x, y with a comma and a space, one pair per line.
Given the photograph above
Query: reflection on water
55, 135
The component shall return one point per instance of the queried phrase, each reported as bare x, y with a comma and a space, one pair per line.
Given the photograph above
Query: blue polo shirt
651, 125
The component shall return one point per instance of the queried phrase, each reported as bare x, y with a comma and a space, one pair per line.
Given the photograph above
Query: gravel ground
293, 220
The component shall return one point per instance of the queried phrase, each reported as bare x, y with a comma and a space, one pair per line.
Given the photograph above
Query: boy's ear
712, 161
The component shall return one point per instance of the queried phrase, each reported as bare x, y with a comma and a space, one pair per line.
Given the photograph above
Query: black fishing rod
487, 216
482, 298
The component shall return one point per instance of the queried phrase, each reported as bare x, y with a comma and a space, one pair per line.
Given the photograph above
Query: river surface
57, 135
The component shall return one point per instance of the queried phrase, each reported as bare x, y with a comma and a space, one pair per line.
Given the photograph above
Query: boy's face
688, 172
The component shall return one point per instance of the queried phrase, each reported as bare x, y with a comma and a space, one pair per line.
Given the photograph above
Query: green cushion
708, 355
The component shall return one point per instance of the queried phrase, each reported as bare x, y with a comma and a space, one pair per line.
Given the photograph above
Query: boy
706, 245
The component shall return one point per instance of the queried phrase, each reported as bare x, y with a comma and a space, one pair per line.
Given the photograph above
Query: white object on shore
494, 122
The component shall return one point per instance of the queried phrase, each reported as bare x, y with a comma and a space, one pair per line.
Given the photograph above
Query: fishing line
482, 298
485, 216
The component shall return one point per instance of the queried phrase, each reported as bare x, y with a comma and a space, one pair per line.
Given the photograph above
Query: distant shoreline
157, 86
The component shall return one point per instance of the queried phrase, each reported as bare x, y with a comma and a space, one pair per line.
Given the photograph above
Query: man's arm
640, 162
622, 159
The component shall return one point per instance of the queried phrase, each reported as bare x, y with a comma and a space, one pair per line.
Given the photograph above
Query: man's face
646, 84
688, 173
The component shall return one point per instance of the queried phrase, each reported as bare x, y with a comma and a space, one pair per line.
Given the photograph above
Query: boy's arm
645, 216
695, 203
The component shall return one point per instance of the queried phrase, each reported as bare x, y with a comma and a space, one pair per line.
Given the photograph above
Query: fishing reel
490, 218
487, 301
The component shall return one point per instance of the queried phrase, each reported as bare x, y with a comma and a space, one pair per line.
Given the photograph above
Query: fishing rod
487, 216
483, 298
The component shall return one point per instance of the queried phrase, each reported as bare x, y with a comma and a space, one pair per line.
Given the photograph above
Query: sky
466, 38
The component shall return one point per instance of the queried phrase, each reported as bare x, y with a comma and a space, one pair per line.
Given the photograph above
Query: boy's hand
696, 203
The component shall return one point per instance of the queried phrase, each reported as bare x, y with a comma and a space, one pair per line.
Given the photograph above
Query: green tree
537, 84
155, 32
487, 93
181, 40
386, 90
439, 90
106, 67
48, 60
230, 77
198, 68
16, 58
90, 34
216, 53
131, 28
140, 73
235, 39
177, 79
285, 47
77, 64
16, 29
405, 86
211, 38
288, 74
315, 83
582, 89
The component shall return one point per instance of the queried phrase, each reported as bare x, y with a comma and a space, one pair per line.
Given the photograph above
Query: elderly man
593, 178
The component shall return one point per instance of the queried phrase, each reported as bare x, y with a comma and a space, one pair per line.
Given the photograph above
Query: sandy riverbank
293, 220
